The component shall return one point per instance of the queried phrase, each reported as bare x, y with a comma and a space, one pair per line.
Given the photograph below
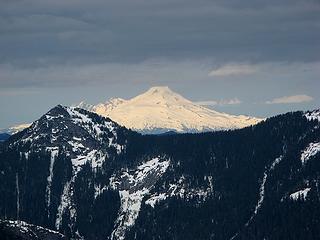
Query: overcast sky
251, 57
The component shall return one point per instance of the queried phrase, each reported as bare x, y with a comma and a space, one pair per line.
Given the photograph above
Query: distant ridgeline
84, 176
4, 136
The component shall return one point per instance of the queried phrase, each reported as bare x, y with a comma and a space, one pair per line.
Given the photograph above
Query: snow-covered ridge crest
263, 188
65, 126
133, 186
137, 186
301, 194
160, 109
311, 150
181, 189
313, 115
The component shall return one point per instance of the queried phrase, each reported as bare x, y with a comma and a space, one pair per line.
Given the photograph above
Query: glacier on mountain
161, 110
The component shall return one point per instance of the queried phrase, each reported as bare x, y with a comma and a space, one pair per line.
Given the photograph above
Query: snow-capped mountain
162, 110
14, 129
7, 132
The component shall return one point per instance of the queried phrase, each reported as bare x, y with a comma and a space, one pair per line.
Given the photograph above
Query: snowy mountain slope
86, 177
161, 110
60, 145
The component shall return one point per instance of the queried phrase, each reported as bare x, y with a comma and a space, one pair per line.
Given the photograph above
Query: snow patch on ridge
85, 121
95, 158
67, 203
313, 115
262, 188
98, 190
183, 191
154, 199
95, 129
18, 196
64, 202
261, 193
310, 151
129, 211
133, 186
54, 153
300, 194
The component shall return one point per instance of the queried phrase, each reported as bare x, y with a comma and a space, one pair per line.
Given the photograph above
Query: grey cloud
124, 31
40, 23
233, 69
150, 72
161, 72
291, 99
222, 102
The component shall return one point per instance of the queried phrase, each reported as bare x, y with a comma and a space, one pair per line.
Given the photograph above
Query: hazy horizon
222, 105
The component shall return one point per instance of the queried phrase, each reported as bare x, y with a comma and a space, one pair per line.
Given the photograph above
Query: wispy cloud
232, 101
233, 69
291, 99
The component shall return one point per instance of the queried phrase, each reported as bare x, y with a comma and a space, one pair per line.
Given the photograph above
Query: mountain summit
160, 110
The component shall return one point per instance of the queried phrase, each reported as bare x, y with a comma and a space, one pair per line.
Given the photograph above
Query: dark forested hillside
88, 178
